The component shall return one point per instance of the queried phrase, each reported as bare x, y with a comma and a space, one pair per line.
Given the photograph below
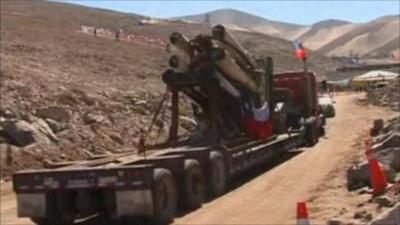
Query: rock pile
70, 122
387, 96
386, 145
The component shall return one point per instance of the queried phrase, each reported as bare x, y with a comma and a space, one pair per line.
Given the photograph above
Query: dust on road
271, 197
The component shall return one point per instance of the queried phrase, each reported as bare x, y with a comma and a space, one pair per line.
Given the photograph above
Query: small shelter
338, 85
372, 78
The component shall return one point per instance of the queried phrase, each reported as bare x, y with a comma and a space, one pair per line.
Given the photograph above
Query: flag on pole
300, 51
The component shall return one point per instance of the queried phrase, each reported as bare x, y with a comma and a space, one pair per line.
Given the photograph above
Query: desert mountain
323, 32
366, 38
330, 37
241, 20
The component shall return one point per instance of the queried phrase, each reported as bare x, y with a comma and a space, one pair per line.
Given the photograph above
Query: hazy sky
301, 12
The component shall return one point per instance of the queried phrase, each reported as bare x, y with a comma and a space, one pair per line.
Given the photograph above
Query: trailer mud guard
31, 205
133, 203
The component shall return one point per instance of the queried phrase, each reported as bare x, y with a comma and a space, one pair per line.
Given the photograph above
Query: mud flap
31, 205
134, 203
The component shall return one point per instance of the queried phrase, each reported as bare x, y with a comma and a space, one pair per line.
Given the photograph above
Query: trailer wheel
50, 221
194, 184
217, 178
311, 135
164, 197
322, 131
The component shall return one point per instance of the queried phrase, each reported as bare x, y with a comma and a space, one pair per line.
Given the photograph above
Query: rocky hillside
322, 33
366, 39
66, 95
245, 21
330, 37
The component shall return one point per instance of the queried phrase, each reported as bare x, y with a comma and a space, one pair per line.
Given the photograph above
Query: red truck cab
299, 92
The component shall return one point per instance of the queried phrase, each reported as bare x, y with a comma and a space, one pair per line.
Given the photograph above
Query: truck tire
165, 198
194, 185
50, 221
217, 178
311, 135
330, 111
322, 131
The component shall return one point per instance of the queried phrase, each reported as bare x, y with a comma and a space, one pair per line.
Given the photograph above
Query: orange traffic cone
302, 214
378, 179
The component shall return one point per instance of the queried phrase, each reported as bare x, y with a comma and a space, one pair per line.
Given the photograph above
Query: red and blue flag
300, 51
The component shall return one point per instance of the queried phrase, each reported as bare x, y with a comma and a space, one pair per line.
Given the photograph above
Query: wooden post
173, 129
308, 90
213, 114
269, 73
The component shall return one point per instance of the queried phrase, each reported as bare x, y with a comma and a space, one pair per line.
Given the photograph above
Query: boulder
390, 174
57, 113
28, 117
90, 118
390, 142
383, 201
131, 94
41, 126
334, 221
379, 138
7, 113
362, 191
392, 124
376, 127
140, 110
54, 125
362, 215
18, 132
378, 124
159, 122
388, 217
82, 95
389, 157
358, 176
116, 137
88, 99
21, 133
395, 164
140, 103
67, 98
396, 106
187, 122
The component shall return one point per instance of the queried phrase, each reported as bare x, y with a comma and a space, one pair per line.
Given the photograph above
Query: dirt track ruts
271, 197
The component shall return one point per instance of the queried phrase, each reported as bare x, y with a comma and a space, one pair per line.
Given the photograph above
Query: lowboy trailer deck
128, 185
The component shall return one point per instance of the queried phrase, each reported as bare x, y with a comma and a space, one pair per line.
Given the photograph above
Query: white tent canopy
376, 75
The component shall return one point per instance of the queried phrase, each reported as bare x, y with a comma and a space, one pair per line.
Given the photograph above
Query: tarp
341, 83
376, 75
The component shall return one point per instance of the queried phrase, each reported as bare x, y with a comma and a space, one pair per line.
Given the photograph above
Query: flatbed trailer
127, 185
158, 181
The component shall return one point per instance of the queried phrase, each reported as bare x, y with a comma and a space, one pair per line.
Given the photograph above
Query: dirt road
271, 197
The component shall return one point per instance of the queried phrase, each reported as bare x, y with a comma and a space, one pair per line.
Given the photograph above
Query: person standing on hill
117, 34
